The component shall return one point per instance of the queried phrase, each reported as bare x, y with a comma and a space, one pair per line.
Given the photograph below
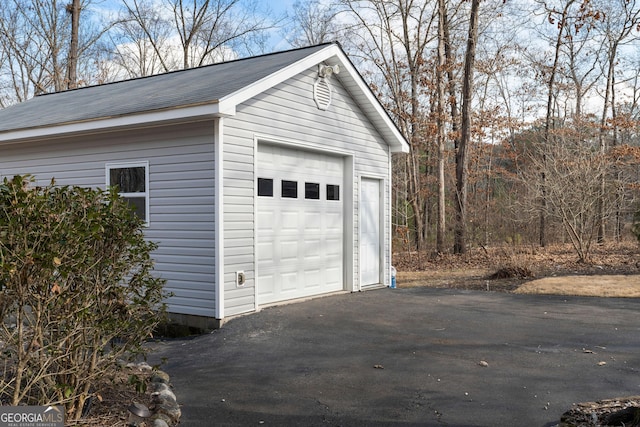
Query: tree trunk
440, 119
549, 119
460, 243
602, 143
72, 65
414, 199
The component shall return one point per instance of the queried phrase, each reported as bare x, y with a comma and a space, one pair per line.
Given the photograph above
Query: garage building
263, 180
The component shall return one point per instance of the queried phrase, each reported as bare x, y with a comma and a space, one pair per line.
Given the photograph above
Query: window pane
333, 192
139, 206
311, 190
128, 180
265, 187
290, 189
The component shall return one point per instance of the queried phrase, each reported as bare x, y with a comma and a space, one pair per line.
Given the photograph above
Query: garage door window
289, 189
333, 192
311, 190
132, 181
265, 187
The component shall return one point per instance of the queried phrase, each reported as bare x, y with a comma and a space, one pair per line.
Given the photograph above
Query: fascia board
142, 119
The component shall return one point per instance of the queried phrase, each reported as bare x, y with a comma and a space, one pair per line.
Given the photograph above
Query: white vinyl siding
288, 111
181, 195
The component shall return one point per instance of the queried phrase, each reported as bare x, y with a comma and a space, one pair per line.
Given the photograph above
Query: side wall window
132, 181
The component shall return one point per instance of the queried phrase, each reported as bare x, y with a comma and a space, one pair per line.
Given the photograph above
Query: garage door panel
313, 164
267, 281
288, 221
265, 220
333, 223
312, 279
334, 278
312, 249
289, 281
313, 221
306, 235
288, 250
265, 253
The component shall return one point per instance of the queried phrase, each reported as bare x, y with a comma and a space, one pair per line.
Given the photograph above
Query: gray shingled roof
196, 86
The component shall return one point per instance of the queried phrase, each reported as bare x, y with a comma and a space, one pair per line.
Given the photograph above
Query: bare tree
35, 36
46, 46
559, 16
440, 123
73, 9
312, 22
190, 33
573, 173
582, 52
460, 243
394, 37
142, 42
619, 19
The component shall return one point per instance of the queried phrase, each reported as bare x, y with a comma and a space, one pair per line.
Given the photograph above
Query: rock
169, 409
165, 411
160, 377
160, 423
162, 396
624, 417
604, 413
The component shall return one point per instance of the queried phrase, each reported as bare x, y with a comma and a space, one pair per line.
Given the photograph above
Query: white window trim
120, 165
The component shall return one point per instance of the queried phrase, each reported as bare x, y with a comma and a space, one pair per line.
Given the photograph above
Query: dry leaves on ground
510, 268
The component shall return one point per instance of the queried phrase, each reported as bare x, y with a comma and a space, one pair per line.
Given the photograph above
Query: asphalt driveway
408, 357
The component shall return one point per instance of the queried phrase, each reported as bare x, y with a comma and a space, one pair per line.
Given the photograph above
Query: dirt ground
613, 271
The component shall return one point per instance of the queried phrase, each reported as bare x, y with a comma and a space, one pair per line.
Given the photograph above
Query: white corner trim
219, 216
388, 210
351, 281
256, 272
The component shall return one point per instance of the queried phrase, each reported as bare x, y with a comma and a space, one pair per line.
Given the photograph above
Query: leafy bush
76, 291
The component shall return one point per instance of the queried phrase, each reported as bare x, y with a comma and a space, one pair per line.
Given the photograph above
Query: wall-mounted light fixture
327, 71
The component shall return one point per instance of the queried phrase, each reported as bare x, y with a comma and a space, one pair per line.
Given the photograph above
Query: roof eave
144, 119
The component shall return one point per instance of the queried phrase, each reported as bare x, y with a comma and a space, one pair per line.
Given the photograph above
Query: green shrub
76, 291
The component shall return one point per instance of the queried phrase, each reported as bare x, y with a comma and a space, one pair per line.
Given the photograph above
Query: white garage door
300, 224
